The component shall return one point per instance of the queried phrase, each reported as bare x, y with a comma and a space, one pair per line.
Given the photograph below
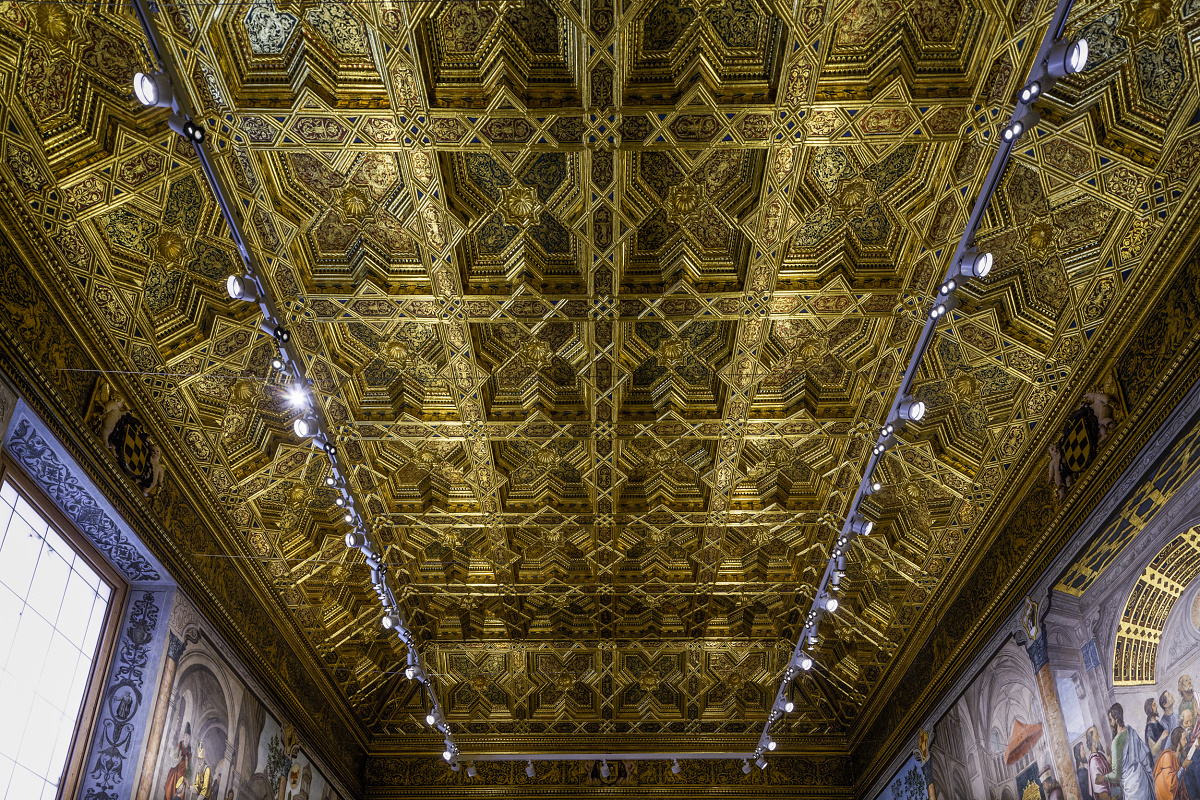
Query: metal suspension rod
1000, 160
293, 364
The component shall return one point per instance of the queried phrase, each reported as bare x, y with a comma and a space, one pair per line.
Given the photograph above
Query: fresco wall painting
214, 738
1095, 701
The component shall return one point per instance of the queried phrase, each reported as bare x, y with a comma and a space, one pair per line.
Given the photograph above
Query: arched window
997, 741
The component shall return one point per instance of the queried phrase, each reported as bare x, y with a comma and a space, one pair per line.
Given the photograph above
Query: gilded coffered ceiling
605, 303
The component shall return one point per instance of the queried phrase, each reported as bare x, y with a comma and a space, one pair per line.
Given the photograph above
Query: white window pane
49, 580
52, 608
8, 493
10, 615
73, 696
95, 623
76, 609
33, 637
40, 734
58, 671
60, 546
18, 556
58, 758
24, 785
18, 699
30, 515
6, 771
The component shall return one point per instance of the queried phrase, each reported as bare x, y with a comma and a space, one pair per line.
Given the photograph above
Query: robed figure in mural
1168, 770
1098, 766
1132, 769
177, 778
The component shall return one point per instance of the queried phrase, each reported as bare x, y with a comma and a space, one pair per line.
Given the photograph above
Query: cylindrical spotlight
529, 770
433, 718
281, 334
789, 706
348, 517
604, 770
355, 539
276, 363
911, 410
413, 672
841, 565
153, 89
762, 762
746, 766
675, 768
330, 480
940, 308
1022, 124
1067, 58
471, 769
805, 663
1031, 92
873, 486
390, 621
771, 744
975, 264
305, 426
242, 287
831, 604
447, 755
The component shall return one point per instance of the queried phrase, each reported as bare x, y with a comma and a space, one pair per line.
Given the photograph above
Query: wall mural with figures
1092, 695
214, 738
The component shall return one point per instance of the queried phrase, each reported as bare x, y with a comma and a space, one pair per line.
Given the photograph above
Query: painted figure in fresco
1166, 701
1098, 766
176, 785
1081, 772
1132, 768
1187, 697
203, 784
1168, 769
1156, 732
1191, 764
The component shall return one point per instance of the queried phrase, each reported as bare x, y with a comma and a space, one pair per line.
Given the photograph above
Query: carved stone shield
1079, 442
132, 445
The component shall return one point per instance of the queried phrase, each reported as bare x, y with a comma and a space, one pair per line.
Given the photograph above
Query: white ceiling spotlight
805, 663
830, 603
153, 89
242, 287
305, 426
911, 410
975, 264
1019, 126
470, 769
788, 705
356, 539
433, 718
762, 762
942, 306
604, 770
529, 770
186, 127
390, 622
414, 673
861, 526
675, 768
1067, 58
746, 765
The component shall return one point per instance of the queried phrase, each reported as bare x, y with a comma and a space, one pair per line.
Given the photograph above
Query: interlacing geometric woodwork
605, 304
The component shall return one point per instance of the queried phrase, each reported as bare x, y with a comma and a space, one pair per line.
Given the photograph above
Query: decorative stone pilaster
1056, 729
124, 719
